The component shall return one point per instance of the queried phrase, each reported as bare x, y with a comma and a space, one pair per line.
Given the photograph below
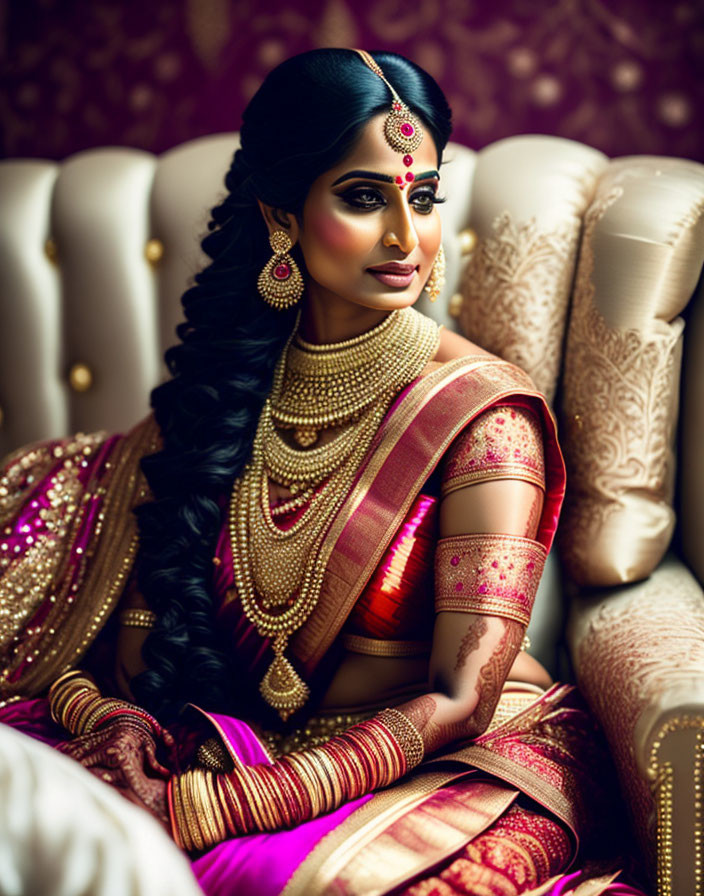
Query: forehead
373, 153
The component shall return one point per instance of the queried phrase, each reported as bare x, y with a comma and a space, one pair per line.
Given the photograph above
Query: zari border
662, 776
382, 647
393, 866
492, 474
108, 565
361, 530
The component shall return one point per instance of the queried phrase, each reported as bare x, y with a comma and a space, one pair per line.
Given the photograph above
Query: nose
400, 230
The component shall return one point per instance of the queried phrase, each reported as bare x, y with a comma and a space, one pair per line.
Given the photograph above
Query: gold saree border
109, 557
371, 514
341, 848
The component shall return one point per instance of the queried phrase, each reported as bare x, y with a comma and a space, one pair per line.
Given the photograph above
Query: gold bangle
406, 735
259, 788
216, 805
321, 774
136, 618
190, 811
178, 822
204, 807
304, 774
253, 801
333, 776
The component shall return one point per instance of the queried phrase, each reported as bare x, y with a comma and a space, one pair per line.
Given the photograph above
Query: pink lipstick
394, 273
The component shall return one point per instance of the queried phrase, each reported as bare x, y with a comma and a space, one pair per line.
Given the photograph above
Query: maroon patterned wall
626, 77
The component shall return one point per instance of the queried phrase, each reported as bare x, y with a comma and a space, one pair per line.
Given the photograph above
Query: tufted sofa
580, 269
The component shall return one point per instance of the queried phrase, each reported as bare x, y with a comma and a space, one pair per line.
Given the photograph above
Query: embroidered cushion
641, 254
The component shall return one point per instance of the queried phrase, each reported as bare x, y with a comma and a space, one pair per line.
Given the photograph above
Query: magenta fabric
32, 717
260, 863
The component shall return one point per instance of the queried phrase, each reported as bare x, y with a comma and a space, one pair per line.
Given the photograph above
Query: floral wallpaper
625, 76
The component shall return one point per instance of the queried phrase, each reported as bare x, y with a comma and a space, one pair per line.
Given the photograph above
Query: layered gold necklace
279, 572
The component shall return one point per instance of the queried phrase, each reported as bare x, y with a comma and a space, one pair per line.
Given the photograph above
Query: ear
276, 219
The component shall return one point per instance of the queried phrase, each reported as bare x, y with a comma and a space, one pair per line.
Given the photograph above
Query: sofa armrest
638, 653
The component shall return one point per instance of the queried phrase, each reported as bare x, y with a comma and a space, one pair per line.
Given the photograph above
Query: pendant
305, 436
282, 687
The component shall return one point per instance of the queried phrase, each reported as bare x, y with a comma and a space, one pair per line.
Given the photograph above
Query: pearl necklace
279, 573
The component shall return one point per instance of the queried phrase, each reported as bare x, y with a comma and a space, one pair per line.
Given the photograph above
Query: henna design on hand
419, 712
477, 629
492, 674
124, 755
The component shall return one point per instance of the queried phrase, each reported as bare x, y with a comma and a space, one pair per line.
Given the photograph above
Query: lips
394, 273
393, 267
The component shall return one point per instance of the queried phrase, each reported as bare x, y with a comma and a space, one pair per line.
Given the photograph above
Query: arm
473, 651
475, 642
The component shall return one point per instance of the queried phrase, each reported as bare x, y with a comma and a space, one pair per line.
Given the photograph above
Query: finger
102, 757
79, 749
109, 776
153, 762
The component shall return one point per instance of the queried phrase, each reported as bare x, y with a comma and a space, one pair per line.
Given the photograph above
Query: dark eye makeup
368, 197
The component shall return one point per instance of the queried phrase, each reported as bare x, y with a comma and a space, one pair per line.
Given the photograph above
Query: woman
319, 449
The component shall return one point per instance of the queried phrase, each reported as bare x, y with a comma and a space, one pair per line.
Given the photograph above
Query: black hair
303, 120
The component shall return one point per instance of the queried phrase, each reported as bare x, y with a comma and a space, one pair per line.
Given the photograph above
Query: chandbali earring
280, 282
436, 280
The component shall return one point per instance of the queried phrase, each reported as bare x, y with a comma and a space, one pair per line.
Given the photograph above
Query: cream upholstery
104, 304
63, 832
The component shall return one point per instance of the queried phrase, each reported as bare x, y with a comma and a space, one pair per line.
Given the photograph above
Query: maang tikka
280, 282
402, 129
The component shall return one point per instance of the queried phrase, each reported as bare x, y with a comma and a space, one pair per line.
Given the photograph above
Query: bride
285, 613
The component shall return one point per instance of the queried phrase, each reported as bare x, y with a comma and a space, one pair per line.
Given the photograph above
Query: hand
123, 753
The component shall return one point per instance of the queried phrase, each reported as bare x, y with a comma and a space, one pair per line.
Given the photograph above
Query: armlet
496, 575
502, 443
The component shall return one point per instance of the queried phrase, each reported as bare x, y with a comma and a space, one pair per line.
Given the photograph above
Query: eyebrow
368, 175
426, 175
384, 178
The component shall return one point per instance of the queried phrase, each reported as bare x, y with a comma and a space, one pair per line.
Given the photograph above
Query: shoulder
453, 346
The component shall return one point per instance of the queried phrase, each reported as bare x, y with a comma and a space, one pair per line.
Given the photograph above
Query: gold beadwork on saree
497, 575
86, 581
502, 443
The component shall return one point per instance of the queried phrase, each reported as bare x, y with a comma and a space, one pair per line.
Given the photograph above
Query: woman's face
366, 239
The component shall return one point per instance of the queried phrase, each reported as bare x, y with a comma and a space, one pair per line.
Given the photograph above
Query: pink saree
502, 814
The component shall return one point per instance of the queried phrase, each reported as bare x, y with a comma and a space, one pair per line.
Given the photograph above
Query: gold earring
280, 282
436, 280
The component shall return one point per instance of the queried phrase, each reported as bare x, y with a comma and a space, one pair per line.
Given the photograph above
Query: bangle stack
78, 706
207, 807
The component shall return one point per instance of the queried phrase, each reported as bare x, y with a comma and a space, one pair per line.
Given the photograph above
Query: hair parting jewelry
402, 129
280, 283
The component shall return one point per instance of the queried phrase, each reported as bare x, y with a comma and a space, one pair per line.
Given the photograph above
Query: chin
389, 301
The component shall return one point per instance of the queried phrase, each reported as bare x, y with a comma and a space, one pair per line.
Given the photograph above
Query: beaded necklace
279, 572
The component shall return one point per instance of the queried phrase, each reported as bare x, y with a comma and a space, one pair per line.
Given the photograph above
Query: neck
329, 319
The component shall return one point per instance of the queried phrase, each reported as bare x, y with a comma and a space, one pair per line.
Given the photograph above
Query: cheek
334, 235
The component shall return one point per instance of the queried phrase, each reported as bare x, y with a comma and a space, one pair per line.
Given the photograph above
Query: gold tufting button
80, 377
455, 306
51, 250
468, 241
154, 251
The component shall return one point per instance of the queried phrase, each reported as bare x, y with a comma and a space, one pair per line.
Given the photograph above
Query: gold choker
329, 385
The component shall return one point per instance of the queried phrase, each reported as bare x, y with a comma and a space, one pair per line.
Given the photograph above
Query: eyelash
352, 198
